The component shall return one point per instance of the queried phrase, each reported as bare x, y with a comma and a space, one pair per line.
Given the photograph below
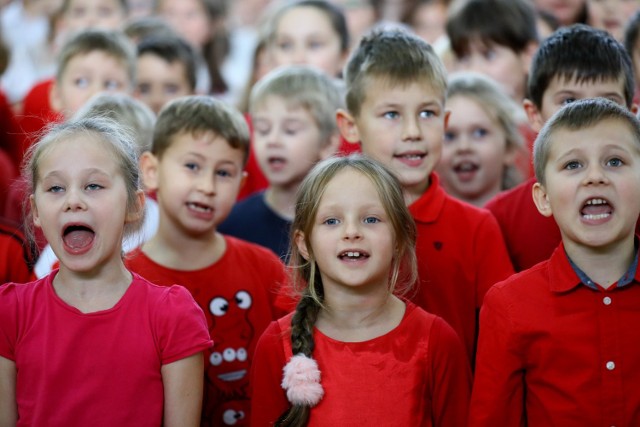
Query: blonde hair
117, 140
496, 104
305, 271
306, 87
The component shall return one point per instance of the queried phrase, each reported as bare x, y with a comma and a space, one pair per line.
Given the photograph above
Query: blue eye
391, 115
425, 114
615, 162
572, 165
94, 187
566, 101
371, 220
330, 221
480, 133
223, 173
55, 189
81, 82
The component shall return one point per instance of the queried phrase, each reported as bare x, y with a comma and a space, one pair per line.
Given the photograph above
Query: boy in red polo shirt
396, 88
559, 343
573, 63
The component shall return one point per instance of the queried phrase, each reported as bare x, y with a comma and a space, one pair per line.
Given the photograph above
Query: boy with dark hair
166, 70
396, 88
195, 167
495, 37
574, 63
559, 343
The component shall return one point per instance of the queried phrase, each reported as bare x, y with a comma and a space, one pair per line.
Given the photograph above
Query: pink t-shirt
101, 368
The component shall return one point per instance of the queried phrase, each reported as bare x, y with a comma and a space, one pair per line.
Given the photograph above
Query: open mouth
596, 209
411, 156
466, 167
353, 255
78, 237
276, 161
199, 207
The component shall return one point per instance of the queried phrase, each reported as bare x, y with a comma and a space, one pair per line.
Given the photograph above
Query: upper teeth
596, 202
353, 254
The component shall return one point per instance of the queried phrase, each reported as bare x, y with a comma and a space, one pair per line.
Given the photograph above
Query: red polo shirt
461, 254
554, 352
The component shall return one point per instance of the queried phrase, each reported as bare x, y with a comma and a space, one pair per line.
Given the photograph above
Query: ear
347, 126
634, 108
138, 212
149, 168
541, 199
533, 114
329, 148
243, 179
55, 100
447, 114
34, 211
301, 244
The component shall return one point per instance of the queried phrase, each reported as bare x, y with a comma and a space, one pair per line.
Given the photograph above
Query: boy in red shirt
574, 63
559, 343
195, 167
396, 88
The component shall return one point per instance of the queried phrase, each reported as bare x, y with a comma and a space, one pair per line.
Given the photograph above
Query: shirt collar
428, 207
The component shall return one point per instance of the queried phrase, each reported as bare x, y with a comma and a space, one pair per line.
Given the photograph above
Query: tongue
596, 209
78, 239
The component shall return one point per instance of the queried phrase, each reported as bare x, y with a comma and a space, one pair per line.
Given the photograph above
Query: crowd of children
319, 212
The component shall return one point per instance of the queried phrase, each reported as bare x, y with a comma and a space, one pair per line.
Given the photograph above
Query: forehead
378, 89
275, 105
303, 19
349, 187
80, 148
589, 88
206, 144
609, 132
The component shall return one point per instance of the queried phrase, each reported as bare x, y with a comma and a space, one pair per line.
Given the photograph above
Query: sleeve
8, 321
497, 398
268, 398
450, 387
181, 326
494, 264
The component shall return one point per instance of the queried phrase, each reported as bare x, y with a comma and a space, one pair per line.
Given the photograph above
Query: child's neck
282, 200
411, 194
181, 252
358, 320
605, 266
93, 291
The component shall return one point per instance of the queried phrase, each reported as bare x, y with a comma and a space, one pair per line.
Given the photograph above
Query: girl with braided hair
355, 352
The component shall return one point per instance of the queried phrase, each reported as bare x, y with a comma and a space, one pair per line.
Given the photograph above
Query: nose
206, 184
299, 55
74, 201
596, 175
411, 129
352, 229
463, 143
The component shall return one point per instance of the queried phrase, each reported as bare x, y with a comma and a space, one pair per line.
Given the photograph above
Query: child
312, 32
574, 63
495, 37
195, 168
84, 341
611, 15
481, 141
559, 342
396, 89
139, 120
293, 113
166, 69
79, 15
350, 335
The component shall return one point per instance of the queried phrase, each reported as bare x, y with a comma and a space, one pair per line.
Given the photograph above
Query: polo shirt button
606, 300
611, 365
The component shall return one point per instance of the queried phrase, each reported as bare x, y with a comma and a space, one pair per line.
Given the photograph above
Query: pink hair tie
302, 381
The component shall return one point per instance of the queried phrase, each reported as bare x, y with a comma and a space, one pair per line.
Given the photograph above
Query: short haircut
197, 114
123, 109
581, 53
147, 26
305, 87
171, 49
631, 32
395, 56
112, 43
575, 116
333, 12
509, 23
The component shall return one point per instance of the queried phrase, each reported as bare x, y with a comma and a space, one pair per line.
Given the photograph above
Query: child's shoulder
247, 252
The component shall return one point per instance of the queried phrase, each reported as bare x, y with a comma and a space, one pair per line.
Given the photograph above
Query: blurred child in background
481, 140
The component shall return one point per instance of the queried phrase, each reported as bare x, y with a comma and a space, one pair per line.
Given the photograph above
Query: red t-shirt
15, 256
96, 369
415, 375
554, 352
461, 254
237, 294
